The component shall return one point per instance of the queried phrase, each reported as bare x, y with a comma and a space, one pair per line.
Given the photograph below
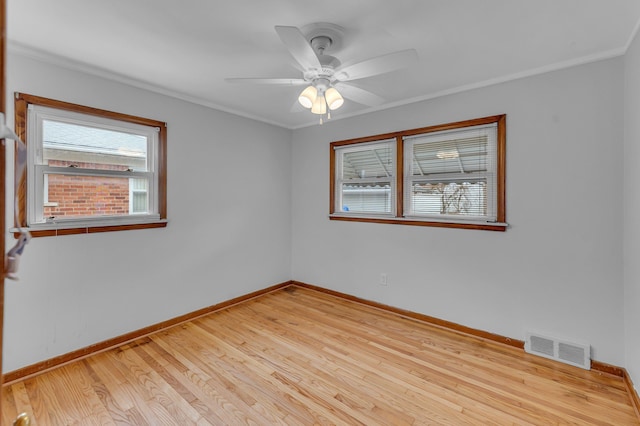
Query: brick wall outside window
87, 195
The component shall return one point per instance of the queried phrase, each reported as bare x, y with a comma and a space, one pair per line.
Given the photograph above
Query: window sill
59, 229
485, 226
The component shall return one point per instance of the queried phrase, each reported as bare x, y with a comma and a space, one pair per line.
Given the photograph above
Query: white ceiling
187, 48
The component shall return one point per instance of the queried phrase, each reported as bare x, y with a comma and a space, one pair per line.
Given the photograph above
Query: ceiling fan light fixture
321, 71
319, 105
308, 96
334, 98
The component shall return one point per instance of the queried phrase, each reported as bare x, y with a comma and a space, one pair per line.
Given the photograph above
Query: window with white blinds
366, 178
450, 175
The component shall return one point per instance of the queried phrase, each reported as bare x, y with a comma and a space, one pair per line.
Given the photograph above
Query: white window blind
138, 196
366, 178
452, 174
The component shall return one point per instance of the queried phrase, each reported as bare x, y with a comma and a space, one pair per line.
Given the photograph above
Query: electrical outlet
383, 279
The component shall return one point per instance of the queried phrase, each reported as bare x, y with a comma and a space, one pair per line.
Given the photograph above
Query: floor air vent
560, 350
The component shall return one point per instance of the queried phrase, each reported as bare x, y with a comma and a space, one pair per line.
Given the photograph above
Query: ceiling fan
324, 75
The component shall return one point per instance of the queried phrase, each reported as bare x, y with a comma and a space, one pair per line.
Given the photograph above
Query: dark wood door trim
3, 61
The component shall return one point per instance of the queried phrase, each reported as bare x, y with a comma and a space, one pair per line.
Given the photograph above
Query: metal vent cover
576, 354
542, 345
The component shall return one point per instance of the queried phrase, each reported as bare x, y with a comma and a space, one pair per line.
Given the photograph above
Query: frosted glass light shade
308, 96
334, 99
319, 105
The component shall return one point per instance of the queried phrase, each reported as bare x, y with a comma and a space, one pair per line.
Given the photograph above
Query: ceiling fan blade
299, 47
278, 81
359, 95
378, 65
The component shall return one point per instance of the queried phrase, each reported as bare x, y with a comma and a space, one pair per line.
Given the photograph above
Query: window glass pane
139, 201
368, 162
466, 198
72, 196
139, 185
139, 195
460, 154
72, 145
370, 197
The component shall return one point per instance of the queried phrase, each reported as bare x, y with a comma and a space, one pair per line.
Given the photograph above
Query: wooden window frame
22, 102
399, 219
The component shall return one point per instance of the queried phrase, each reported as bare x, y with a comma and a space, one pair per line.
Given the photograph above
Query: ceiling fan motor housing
320, 44
321, 83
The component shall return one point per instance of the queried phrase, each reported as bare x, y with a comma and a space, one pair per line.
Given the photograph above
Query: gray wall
632, 210
228, 234
556, 270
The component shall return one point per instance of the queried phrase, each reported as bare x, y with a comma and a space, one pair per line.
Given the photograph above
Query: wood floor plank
298, 357
294, 342
498, 367
211, 374
157, 388
284, 381
393, 373
9, 410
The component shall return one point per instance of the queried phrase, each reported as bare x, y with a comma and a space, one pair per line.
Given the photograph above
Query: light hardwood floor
300, 357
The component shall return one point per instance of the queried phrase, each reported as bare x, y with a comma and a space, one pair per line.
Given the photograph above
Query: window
450, 175
367, 178
89, 170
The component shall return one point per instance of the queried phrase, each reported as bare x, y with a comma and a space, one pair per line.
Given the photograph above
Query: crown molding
73, 65
47, 57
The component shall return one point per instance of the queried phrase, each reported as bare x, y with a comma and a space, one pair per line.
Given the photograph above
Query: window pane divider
385, 179
399, 196
363, 215
78, 171
448, 176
